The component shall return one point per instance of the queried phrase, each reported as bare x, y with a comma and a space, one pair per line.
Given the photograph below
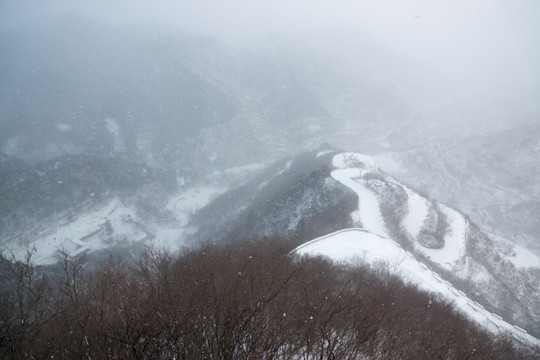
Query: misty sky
496, 42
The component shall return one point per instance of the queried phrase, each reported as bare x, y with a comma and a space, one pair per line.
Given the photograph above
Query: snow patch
324, 152
114, 129
454, 241
100, 228
237, 172
112, 126
417, 212
246, 168
353, 160
115, 223
190, 200
285, 169
523, 258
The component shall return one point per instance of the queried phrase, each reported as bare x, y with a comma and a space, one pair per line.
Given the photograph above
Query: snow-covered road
349, 170
454, 241
417, 212
352, 245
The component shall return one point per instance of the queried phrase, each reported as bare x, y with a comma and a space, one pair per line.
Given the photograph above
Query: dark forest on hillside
250, 300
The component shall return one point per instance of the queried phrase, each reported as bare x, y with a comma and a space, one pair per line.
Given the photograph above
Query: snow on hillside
237, 173
190, 200
523, 258
416, 214
441, 234
348, 160
286, 168
454, 241
353, 245
97, 229
350, 167
114, 129
453, 251
324, 152
115, 223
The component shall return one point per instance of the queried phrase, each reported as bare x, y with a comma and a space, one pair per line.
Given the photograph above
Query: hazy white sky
493, 40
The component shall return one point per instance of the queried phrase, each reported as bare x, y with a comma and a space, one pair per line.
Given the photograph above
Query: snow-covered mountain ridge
442, 236
299, 199
493, 178
446, 249
171, 99
359, 245
286, 201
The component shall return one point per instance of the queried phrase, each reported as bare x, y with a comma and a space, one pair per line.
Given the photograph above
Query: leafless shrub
245, 301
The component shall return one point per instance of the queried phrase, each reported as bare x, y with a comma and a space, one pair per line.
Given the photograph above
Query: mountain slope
67, 186
359, 245
72, 85
294, 198
443, 237
493, 178
298, 199
175, 98
285, 201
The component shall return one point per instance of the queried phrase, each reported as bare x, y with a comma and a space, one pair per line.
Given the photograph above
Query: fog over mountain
129, 125
482, 45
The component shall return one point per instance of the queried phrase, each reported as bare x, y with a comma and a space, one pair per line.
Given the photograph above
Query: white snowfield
354, 245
